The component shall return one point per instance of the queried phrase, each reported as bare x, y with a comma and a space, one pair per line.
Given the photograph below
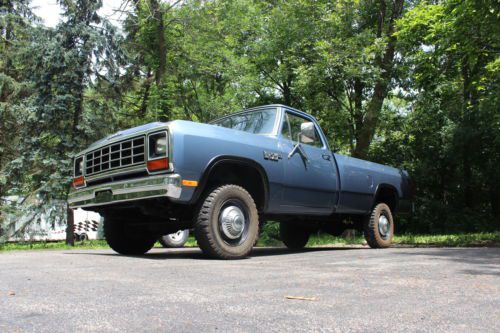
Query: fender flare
217, 161
381, 187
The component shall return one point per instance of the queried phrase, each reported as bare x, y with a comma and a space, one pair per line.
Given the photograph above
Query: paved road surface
355, 290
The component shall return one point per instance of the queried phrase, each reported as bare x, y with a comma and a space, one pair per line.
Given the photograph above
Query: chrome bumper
127, 190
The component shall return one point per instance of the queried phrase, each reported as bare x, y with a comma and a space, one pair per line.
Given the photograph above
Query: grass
451, 240
90, 244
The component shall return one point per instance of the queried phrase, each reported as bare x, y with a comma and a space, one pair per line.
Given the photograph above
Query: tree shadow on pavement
481, 261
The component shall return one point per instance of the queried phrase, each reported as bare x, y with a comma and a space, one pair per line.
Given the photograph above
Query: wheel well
239, 173
389, 196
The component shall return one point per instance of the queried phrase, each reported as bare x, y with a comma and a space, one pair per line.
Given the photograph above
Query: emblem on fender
272, 156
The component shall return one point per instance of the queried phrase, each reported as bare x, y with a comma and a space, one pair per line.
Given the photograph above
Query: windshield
257, 122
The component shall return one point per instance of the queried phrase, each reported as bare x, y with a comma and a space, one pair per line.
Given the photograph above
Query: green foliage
415, 87
449, 141
417, 240
60, 64
89, 244
458, 240
270, 235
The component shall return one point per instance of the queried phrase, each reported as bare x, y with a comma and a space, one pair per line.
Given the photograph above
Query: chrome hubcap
176, 235
232, 221
383, 226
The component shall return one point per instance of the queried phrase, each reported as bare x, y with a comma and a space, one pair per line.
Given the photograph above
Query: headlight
78, 166
158, 145
161, 146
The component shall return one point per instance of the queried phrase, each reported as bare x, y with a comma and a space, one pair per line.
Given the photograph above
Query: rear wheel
124, 240
379, 227
176, 239
294, 236
227, 223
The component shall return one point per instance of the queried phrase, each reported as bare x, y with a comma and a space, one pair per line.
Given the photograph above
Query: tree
413, 84
350, 71
16, 21
386, 26
64, 63
450, 57
148, 46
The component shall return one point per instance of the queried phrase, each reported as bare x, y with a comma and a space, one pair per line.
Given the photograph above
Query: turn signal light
156, 165
78, 181
190, 183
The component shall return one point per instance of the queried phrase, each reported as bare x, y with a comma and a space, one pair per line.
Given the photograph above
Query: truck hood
120, 135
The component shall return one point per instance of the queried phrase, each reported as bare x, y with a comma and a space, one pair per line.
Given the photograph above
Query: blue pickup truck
227, 178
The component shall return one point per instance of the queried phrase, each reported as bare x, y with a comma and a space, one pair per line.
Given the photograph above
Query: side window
295, 127
285, 128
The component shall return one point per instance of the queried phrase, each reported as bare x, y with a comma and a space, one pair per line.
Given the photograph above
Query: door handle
326, 157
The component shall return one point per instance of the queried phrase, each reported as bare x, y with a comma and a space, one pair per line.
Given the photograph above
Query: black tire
125, 241
175, 240
293, 236
213, 236
376, 235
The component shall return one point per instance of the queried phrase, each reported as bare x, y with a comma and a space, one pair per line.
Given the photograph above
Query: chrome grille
117, 155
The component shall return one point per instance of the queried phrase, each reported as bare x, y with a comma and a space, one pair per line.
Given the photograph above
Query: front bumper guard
127, 190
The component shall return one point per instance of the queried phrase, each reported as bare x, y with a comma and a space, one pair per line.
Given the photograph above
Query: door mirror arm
298, 149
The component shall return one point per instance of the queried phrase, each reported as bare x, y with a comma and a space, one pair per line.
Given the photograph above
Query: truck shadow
272, 251
195, 253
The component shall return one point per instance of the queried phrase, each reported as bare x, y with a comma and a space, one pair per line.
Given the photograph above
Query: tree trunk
287, 94
494, 193
78, 109
471, 109
80, 88
70, 227
358, 107
162, 49
367, 131
158, 13
145, 94
374, 106
8, 35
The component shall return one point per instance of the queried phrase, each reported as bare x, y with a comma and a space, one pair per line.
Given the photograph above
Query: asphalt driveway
328, 290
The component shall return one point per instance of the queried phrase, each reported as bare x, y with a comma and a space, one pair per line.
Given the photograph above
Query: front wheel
379, 227
124, 240
227, 223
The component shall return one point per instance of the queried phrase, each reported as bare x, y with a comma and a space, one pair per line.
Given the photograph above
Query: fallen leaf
301, 298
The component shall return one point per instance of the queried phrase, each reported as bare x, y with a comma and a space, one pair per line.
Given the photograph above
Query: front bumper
127, 190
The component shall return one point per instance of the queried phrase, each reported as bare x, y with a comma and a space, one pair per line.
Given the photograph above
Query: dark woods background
414, 84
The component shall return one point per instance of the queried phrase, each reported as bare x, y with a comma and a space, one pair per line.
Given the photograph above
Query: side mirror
307, 132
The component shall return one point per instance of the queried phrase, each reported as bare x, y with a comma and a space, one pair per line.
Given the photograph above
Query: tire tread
123, 243
371, 232
203, 233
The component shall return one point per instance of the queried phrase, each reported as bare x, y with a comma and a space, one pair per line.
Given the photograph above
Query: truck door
310, 182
